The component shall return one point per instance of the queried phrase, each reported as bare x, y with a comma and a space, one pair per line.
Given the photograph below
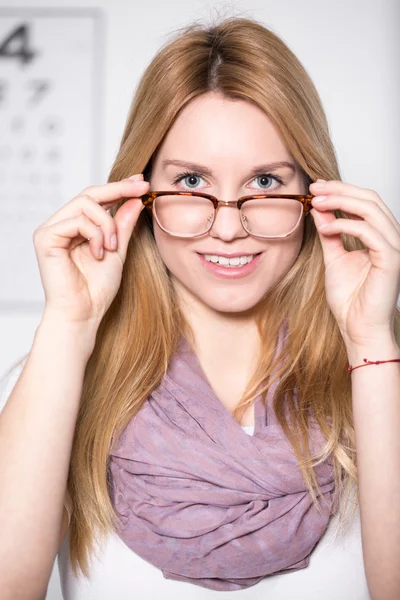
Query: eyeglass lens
192, 215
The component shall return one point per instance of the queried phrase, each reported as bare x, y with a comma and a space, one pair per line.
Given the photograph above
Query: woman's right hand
79, 285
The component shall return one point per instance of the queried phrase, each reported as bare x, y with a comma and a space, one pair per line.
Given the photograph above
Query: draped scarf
204, 501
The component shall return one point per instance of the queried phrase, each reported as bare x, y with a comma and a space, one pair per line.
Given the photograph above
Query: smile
238, 266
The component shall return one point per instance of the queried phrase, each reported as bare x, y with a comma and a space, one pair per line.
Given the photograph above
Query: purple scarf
204, 501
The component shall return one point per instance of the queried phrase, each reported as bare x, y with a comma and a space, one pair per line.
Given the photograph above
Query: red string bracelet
371, 362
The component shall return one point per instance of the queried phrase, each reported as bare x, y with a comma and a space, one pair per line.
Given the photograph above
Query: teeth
234, 262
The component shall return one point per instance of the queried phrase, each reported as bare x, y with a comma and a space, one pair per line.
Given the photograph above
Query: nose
227, 223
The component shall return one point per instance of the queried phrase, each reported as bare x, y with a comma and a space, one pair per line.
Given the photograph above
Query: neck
221, 338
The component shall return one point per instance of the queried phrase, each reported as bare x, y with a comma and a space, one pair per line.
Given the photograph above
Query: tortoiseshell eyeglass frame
148, 200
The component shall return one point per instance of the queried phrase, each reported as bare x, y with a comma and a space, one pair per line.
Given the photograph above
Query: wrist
382, 349
81, 336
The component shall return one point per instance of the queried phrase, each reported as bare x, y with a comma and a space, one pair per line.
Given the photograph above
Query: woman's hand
362, 286
79, 282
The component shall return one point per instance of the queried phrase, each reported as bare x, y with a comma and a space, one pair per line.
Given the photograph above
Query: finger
382, 253
59, 235
368, 210
101, 217
105, 195
123, 225
340, 187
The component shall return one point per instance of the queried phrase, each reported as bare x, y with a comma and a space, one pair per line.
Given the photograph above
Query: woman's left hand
362, 286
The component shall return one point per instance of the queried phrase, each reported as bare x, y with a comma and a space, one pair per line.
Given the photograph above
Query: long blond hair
241, 59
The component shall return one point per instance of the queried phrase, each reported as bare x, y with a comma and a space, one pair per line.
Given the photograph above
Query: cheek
283, 255
288, 250
172, 249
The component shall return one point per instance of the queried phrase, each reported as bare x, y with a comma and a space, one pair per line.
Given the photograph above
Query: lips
229, 273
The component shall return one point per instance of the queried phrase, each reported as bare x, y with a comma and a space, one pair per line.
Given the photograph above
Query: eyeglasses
191, 214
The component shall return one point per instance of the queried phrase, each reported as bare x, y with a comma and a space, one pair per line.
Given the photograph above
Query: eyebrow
273, 166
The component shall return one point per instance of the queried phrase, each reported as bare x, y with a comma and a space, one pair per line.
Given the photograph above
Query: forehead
214, 129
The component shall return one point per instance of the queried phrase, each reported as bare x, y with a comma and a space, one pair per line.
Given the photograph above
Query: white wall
351, 49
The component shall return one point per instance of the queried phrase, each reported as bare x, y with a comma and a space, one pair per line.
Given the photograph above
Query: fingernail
138, 177
319, 183
114, 241
319, 198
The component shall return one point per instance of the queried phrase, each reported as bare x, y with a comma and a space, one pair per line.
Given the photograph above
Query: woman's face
227, 140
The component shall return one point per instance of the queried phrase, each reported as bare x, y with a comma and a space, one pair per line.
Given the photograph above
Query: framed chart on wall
51, 78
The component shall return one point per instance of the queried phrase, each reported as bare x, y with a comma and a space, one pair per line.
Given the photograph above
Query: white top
335, 571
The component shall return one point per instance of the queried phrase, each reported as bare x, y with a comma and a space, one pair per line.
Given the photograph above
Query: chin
228, 303
221, 296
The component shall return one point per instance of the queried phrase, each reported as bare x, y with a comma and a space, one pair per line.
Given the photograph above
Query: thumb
127, 216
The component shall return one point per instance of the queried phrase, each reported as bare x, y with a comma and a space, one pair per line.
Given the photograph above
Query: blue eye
185, 175
269, 176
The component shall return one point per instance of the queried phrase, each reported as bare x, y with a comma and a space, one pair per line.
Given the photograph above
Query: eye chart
50, 131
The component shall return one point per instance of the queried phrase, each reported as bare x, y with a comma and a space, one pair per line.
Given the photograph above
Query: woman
168, 362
